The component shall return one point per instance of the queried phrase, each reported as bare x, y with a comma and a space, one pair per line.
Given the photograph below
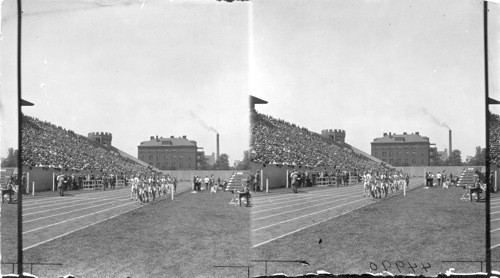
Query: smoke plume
434, 119
202, 122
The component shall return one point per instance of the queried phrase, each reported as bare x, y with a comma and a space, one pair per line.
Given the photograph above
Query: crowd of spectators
494, 139
49, 146
275, 141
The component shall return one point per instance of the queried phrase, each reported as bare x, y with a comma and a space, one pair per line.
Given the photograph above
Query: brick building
169, 153
403, 149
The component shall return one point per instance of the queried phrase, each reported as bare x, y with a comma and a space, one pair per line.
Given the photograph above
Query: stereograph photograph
205, 138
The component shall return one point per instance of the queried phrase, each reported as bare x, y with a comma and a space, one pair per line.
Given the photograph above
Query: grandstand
494, 139
46, 145
278, 142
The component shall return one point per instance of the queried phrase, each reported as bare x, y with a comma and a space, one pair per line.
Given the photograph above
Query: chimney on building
217, 157
184, 136
152, 138
450, 142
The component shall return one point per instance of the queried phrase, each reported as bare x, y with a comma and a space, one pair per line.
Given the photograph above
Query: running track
49, 218
495, 220
280, 215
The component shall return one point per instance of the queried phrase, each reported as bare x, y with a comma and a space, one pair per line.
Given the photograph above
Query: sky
141, 68
133, 68
370, 67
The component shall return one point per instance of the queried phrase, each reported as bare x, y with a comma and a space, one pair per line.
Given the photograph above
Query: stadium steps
237, 180
467, 176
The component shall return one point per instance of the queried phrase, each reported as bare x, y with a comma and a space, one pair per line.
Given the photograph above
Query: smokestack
217, 157
450, 142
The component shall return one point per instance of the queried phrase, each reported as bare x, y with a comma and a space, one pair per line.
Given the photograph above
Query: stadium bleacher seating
494, 139
49, 146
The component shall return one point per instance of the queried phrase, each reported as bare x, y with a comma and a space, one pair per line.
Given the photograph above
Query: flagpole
20, 150
487, 161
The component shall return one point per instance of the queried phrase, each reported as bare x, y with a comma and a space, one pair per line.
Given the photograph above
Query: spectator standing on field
295, 181
207, 181
60, 184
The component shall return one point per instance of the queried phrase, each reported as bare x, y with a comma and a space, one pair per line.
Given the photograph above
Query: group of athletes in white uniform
376, 183
146, 189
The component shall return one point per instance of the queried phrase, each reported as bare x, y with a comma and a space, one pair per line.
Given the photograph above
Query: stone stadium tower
103, 138
337, 135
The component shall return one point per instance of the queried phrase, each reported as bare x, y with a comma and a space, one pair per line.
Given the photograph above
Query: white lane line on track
74, 205
494, 212
289, 196
298, 230
85, 208
298, 204
496, 219
71, 219
305, 215
296, 197
59, 200
495, 246
288, 211
67, 233
75, 201
495, 207
67, 198
495, 230
300, 200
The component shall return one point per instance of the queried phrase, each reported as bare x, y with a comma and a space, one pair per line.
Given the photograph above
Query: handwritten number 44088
386, 265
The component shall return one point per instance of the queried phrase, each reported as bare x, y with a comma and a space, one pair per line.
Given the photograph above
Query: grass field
426, 226
181, 238
188, 236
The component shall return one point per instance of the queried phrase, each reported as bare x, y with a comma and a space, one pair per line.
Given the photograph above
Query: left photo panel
135, 138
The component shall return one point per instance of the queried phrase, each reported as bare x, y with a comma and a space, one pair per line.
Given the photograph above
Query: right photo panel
368, 137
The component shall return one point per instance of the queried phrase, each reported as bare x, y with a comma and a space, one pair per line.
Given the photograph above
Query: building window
150, 157
398, 154
398, 161
391, 161
384, 153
